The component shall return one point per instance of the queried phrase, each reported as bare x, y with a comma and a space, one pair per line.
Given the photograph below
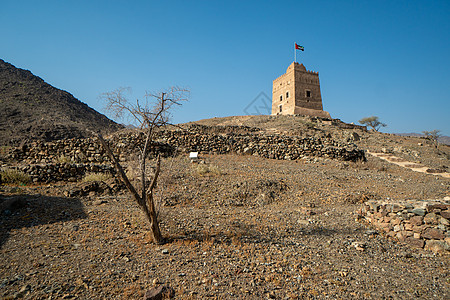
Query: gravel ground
235, 227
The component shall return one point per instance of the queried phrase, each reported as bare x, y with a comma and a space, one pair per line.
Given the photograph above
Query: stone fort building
297, 92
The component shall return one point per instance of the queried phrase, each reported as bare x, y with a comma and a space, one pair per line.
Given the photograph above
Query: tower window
281, 108
287, 95
308, 94
281, 97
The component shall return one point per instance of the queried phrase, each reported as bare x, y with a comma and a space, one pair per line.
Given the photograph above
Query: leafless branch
152, 113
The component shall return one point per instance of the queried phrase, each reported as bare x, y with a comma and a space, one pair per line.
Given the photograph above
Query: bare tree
151, 113
433, 136
373, 122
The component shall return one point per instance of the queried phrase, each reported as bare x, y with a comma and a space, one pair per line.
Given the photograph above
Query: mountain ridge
35, 110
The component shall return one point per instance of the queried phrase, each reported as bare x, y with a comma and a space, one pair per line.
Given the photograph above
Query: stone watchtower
297, 92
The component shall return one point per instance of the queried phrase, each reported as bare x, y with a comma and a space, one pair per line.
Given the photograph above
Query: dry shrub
372, 163
90, 177
204, 169
15, 177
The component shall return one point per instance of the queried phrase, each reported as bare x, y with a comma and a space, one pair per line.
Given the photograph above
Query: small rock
431, 218
437, 246
159, 293
23, 291
165, 251
445, 214
444, 221
99, 202
416, 220
359, 246
419, 211
303, 222
371, 232
433, 234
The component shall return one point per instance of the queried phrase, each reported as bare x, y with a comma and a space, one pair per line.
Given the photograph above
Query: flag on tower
298, 47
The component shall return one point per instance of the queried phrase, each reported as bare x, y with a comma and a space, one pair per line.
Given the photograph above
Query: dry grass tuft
15, 177
89, 177
203, 169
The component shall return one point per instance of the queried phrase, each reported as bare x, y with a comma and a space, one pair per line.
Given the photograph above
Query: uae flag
298, 47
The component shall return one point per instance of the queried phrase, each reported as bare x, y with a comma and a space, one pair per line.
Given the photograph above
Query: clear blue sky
385, 58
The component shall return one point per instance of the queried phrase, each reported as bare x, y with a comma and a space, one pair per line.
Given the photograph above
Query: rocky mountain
32, 109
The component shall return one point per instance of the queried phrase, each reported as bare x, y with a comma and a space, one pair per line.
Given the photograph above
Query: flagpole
295, 54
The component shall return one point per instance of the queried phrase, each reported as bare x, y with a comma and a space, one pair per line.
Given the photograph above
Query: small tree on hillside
151, 113
433, 136
373, 122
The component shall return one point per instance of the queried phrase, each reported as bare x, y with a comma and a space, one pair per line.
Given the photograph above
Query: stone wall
197, 138
53, 172
421, 224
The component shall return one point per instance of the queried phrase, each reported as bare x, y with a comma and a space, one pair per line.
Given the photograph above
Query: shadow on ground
252, 235
19, 211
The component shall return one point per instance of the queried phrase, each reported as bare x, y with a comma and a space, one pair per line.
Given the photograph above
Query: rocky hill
246, 221
32, 109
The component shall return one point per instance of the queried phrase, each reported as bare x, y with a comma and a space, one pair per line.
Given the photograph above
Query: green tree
373, 122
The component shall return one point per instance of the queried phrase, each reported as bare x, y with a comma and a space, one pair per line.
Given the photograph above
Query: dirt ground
236, 227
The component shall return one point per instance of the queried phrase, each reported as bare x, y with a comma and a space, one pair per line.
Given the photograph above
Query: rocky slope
236, 226
249, 228
31, 109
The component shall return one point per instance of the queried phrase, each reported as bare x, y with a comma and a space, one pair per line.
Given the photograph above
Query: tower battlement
298, 92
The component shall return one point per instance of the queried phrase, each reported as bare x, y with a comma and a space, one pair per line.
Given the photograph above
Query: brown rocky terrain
237, 226
31, 109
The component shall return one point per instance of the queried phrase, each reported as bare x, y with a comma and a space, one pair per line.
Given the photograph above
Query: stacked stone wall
69, 160
53, 172
168, 142
421, 224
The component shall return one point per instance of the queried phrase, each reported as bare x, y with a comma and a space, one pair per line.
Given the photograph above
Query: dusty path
406, 164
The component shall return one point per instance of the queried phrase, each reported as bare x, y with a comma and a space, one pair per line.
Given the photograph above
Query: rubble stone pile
420, 223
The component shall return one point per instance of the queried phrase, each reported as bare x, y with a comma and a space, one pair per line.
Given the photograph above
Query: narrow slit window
281, 97
308, 94
287, 95
281, 108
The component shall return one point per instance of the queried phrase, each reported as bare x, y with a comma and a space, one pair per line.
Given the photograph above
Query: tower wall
297, 91
307, 89
283, 92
